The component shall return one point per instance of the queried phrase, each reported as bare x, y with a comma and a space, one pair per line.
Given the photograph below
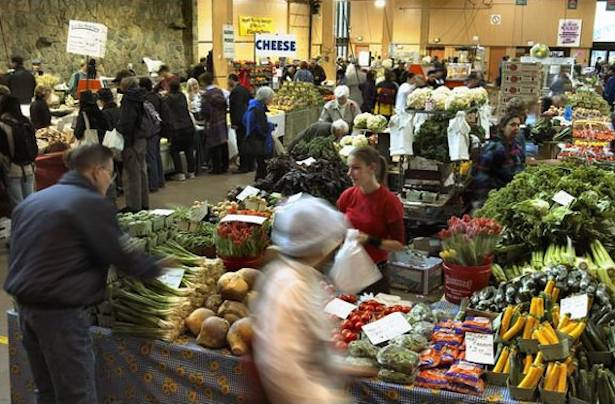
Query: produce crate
521, 67
548, 151
428, 170
414, 272
296, 121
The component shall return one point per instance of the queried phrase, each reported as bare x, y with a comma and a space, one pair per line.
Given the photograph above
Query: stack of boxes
520, 80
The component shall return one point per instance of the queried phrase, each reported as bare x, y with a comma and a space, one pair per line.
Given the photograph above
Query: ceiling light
380, 3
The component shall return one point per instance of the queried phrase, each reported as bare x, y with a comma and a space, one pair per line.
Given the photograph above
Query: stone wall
159, 29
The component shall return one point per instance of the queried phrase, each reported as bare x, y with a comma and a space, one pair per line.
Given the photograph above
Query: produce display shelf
136, 370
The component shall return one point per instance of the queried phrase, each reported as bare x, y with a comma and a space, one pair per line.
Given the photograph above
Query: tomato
364, 306
366, 317
345, 333
341, 346
405, 309
388, 311
357, 325
338, 337
350, 337
347, 324
379, 316
354, 318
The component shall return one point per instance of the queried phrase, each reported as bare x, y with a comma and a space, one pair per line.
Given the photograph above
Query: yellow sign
255, 25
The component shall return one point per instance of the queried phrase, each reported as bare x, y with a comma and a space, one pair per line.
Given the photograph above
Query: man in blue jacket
63, 240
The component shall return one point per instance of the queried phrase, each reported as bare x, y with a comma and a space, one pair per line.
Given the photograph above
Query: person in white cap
291, 330
342, 107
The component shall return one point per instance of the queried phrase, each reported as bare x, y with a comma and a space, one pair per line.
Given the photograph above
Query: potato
213, 333
232, 286
250, 299
239, 337
195, 320
213, 302
250, 275
232, 311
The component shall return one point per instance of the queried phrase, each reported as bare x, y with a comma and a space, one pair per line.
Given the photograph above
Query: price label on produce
576, 306
563, 198
172, 277
307, 162
479, 348
244, 218
248, 192
339, 308
198, 212
162, 212
387, 328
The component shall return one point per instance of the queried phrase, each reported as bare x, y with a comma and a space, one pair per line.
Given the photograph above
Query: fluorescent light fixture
380, 3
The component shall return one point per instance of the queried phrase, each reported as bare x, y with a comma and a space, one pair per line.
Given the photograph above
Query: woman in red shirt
373, 210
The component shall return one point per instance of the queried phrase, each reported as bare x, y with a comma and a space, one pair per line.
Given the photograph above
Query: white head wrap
341, 91
308, 227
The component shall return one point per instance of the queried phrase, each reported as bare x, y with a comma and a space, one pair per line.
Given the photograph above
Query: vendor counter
138, 370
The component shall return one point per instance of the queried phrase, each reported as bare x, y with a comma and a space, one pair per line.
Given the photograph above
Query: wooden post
387, 28
222, 13
329, 50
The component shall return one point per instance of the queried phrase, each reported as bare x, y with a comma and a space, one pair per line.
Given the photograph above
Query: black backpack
24, 140
150, 121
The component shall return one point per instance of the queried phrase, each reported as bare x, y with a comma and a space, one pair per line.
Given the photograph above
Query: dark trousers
261, 167
246, 160
183, 140
61, 354
155, 171
134, 176
219, 158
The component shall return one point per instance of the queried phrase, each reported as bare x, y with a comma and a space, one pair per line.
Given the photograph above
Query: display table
138, 370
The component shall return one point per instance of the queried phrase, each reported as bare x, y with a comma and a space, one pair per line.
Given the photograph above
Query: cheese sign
275, 45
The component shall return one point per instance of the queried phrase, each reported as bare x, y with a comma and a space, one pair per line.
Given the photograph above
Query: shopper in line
561, 84
368, 92
90, 118
181, 131
193, 96
342, 107
386, 93
109, 107
304, 74
39, 109
18, 150
37, 68
21, 82
238, 105
318, 72
55, 282
373, 210
500, 160
259, 139
166, 77
199, 69
354, 78
289, 73
404, 91
133, 125
337, 129
609, 87
155, 170
81, 74
291, 331
213, 112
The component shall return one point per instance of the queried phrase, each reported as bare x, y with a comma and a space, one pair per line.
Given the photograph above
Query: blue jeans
61, 354
155, 171
19, 188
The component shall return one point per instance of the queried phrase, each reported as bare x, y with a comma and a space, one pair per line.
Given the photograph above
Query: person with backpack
18, 150
213, 111
137, 123
180, 129
386, 93
155, 170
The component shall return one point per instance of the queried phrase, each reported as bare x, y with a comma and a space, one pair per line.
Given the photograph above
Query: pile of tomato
367, 312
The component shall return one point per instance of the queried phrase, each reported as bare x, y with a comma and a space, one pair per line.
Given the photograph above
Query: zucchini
603, 388
584, 388
595, 337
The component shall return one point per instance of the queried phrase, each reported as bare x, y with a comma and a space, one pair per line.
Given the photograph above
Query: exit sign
572, 4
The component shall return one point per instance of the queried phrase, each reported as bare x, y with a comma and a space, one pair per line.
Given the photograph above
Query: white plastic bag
402, 134
484, 116
233, 150
459, 138
278, 147
113, 140
89, 135
419, 120
353, 270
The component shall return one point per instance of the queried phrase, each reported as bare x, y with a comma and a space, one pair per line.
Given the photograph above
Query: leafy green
431, 141
520, 207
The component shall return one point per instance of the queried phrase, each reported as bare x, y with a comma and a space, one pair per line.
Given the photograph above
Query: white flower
418, 98
360, 121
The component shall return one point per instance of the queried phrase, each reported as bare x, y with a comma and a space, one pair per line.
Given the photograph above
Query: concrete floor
203, 188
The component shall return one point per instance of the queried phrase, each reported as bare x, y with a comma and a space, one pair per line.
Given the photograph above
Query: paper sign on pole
228, 41
86, 38
266, 45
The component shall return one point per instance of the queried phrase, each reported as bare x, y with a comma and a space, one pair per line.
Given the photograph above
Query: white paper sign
197, 213
172, 277
228, 41
266, 45
86, 38
162, 212
339, 308
569, 32
479, 348
244, 218
248, 192
387, 328
307, 162
576, 306
563, 198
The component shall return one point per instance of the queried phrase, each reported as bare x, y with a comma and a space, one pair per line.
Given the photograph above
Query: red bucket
461, 281
232, 264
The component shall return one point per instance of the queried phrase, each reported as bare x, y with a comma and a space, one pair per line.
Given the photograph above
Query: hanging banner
275, 45
228, 41
255, 25
569, 33
86, 38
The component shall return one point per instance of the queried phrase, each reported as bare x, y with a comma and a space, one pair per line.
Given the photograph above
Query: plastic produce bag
353, 270
233, 150
402, 134
363, 349
459, 138
423, 328
398, 358
414, 342
420, 312
113, 140
391, 376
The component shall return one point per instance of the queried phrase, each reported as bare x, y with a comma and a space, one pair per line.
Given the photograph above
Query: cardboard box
414, 272
429, 245
521, 67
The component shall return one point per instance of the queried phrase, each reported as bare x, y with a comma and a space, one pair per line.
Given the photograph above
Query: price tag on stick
479, 348
387, 328
576, 306
339, 308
